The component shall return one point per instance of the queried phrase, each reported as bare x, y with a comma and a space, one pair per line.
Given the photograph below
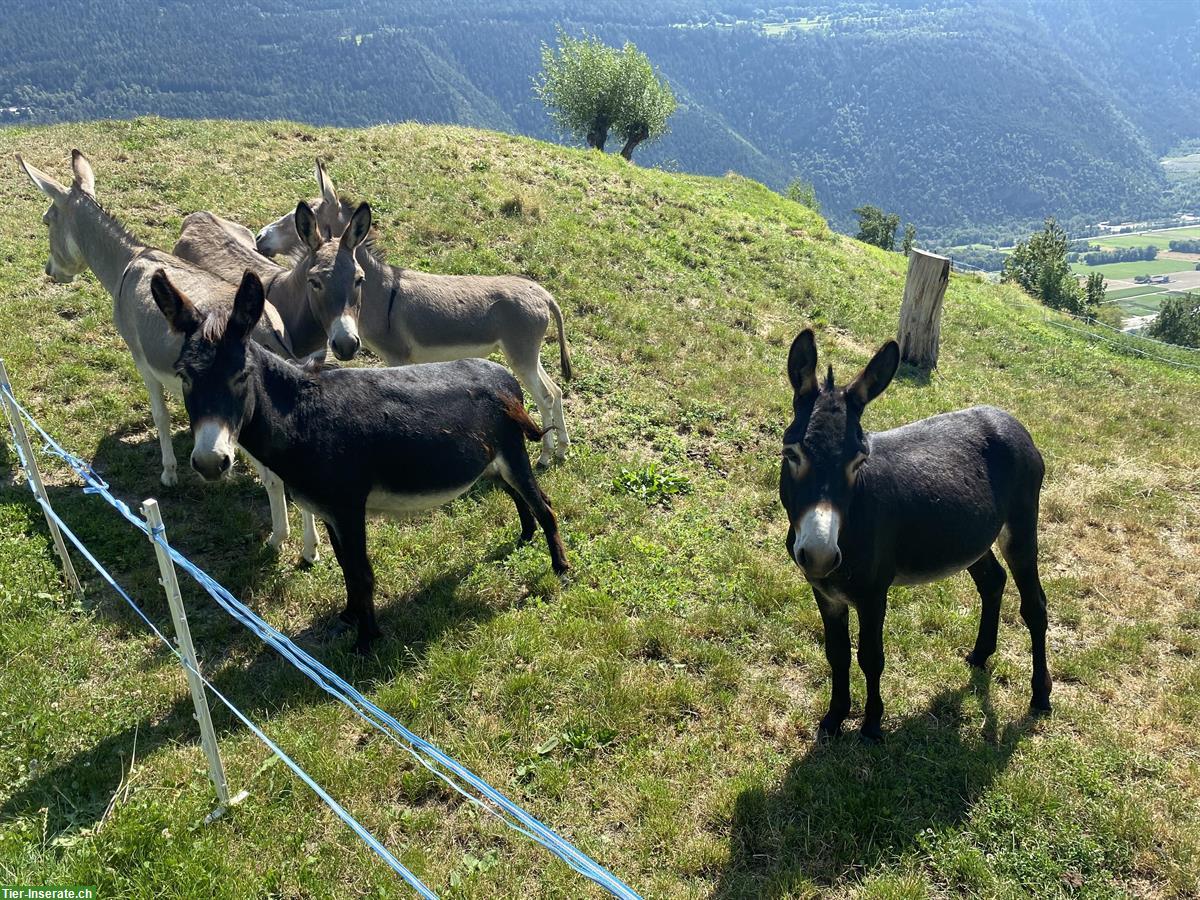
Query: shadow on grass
221, 528
844, 807
8, 457
914, 375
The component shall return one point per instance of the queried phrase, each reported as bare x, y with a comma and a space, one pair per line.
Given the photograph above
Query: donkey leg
311, 539
162, 424
277, 497
527, 372
871, 613
347, 615
516, 472
528, 522
559, 420
835, 616
989, 577
1020, 552
349, 539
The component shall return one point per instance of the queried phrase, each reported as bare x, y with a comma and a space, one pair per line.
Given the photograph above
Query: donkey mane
112, 223
370, 245
214, 324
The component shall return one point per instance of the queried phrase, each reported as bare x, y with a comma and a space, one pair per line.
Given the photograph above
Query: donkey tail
518, 413
564, 355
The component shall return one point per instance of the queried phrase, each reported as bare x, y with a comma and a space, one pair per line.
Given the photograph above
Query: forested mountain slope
951, 114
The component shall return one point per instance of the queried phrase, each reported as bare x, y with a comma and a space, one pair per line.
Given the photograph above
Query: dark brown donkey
353, 442
905, 506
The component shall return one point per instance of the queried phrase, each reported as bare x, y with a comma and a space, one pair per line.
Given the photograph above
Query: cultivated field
1160, 239
1126, 271
658, 707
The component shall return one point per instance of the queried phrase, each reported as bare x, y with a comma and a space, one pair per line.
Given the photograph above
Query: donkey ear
85, 178
878, 374
802, 364
247, 308
45, 183
325, 183
181, 314
359, 227
306, 227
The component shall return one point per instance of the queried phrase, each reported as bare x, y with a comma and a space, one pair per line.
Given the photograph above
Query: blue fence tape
329, 681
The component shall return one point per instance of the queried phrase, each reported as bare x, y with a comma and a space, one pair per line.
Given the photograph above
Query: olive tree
591, 89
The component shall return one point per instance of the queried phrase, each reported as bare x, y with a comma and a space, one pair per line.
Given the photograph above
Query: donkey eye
795, 456
314, 284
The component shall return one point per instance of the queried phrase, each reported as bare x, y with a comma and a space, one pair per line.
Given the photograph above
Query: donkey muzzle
265, 242
57, 275
345, 346
815, 548
212, 456
211, 466
343, 338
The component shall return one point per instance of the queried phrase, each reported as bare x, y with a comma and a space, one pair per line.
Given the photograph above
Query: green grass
1160, 239
1141, 267
659, 705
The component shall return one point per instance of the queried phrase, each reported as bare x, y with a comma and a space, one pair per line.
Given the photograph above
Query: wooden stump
921, 311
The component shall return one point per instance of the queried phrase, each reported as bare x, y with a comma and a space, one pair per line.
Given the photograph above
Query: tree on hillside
877, 227
1178, 321
590, 89
802, 192
644, 101
1039, 267
1094, 290
910, 238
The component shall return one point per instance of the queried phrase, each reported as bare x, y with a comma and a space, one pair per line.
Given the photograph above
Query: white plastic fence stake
183, 637
35, 479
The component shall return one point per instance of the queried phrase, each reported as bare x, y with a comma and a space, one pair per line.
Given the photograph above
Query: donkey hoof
544, 461
363, 645
169, 477
976, 661
1040, 706
310, 558
276, 540
827, 731
337, 627
871, 735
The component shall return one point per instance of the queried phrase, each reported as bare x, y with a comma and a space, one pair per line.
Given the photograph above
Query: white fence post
39, 489
183, 637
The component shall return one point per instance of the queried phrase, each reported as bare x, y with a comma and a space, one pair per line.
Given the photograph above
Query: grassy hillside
659, 706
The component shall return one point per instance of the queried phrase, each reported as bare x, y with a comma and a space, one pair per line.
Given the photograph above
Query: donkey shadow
214, 526
844, 807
